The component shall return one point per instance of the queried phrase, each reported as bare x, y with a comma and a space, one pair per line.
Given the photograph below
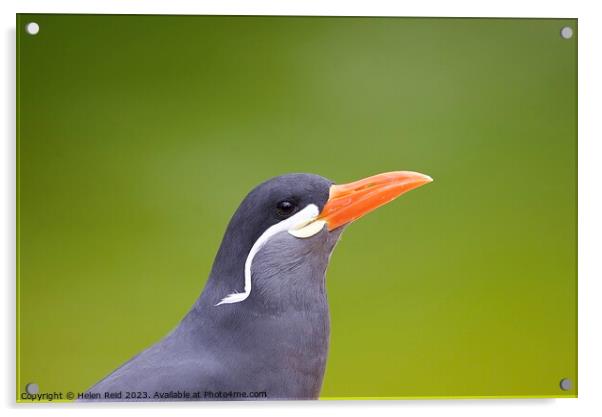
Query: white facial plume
301, 225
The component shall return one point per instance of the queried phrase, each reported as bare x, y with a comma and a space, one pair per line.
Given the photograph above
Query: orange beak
349, 202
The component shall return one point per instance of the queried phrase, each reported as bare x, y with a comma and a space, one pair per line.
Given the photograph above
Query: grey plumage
275, 341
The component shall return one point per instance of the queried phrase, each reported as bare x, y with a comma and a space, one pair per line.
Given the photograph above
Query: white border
590, 207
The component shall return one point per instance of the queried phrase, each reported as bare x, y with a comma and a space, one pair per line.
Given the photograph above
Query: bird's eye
285, 208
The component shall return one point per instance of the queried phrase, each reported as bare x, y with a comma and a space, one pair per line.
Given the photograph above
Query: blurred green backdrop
139, 135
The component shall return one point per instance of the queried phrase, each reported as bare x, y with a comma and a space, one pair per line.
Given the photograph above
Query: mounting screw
32, 388
32, 28
566, 32
566, 384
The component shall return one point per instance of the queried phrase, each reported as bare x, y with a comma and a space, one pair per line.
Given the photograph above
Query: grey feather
276, 341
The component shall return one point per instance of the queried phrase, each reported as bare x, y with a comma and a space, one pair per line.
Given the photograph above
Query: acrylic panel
138, 137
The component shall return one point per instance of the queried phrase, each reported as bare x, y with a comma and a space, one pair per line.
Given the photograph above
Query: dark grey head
299, 212
268, 214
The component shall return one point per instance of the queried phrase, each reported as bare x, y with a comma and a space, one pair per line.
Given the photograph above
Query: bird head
305, 210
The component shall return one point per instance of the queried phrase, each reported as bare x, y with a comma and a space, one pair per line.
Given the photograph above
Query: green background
139, 135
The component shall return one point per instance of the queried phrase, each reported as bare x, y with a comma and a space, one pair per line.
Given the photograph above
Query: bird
260, 328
